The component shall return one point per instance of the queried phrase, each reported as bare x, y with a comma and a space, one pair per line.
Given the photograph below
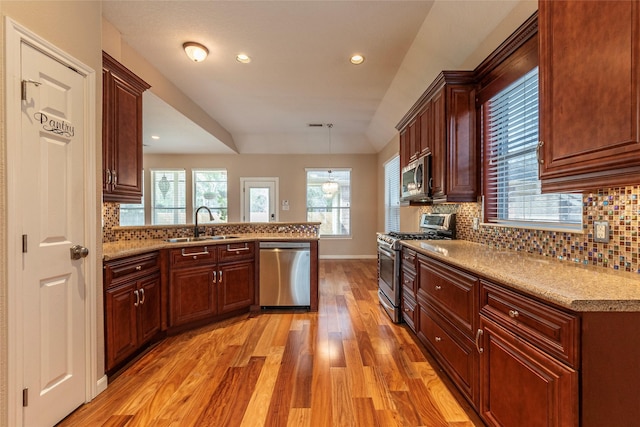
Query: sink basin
198, 239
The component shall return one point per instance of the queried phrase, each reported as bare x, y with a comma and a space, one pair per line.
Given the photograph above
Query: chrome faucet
196, 231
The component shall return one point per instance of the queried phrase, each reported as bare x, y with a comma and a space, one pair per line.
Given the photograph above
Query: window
330, 204
168, 201
392, 195
210, 190
133, 213
512, 187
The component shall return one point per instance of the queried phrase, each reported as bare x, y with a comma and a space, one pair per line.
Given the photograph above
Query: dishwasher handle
285, 245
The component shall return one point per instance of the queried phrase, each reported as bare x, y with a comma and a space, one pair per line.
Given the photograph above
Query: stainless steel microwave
416, 180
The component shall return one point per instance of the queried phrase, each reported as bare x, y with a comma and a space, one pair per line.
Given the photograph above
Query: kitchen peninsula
161, 280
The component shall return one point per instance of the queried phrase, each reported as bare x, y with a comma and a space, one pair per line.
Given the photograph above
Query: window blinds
392, 195
512, 191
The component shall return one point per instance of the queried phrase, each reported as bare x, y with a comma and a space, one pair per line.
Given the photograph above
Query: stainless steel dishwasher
285, 274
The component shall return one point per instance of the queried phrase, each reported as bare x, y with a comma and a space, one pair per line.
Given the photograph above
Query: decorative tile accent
618, 206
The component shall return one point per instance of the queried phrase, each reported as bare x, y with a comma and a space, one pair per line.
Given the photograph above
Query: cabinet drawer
452, 291
546, 327
408, 281
408, 262
409, 312
236, 251
192, 255
130, 268
455, 352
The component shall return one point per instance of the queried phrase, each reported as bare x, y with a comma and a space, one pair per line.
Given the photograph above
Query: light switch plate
601, 231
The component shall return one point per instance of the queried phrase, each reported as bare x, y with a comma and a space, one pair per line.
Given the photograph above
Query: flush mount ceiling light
195, 51
357, 59
241, 57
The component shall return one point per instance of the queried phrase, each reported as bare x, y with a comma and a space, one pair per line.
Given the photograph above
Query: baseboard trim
348, 256
101, 385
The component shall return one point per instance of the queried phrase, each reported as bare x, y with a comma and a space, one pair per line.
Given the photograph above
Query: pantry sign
54, 125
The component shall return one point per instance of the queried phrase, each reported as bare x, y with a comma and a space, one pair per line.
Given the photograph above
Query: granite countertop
578, 287
124, 248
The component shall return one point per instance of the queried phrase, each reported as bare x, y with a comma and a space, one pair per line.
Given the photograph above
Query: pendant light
330, 187
164, 185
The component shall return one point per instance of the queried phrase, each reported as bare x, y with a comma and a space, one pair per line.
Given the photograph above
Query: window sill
536, 226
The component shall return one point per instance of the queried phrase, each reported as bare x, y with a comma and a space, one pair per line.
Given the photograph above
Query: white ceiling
300, 71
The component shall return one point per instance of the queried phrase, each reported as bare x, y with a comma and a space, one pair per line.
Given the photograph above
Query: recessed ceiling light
357, 59
155, 137
243, 58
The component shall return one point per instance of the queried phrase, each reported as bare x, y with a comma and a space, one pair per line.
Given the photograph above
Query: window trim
193, 191
152, 206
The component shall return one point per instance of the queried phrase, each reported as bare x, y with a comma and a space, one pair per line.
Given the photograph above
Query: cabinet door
522, 386
589, 94
121, 327
414, 139
405, 149
236, 286
426, 128
438, 147
193, 295
148, 308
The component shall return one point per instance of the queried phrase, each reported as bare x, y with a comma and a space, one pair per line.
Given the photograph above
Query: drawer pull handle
138, 267
438, 288
246, 248
438, 339
195, 254
478, 335
513, 314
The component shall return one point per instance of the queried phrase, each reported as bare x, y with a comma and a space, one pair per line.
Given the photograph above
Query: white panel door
259, 199
52, 203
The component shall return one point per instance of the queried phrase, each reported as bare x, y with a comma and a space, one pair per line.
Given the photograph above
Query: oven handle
381, 298
390, 253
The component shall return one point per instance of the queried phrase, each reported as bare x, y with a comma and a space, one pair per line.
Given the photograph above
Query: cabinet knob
438, 339
407, 310
438, 288
513, 313
139, 267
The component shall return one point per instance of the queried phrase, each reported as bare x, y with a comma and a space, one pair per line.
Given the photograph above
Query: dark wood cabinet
589, 79
444, 122
447, 301
132, 301
209, 281
522, 385
121, 132
408, 274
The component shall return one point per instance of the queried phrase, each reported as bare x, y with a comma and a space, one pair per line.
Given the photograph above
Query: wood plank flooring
346, 365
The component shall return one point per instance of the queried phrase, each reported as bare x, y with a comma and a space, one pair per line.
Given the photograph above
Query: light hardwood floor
346, 365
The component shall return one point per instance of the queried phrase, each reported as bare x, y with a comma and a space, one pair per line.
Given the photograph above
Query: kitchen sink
198, 239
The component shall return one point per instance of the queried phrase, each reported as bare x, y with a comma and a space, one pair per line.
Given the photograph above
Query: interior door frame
15, 35
276, 195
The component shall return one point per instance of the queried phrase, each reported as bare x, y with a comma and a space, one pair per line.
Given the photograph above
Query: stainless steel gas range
433, 226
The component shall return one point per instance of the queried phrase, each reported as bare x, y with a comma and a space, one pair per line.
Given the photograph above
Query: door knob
78, 251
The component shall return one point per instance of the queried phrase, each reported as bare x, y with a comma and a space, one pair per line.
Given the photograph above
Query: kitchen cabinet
408, 274
132, 306
209, 281
444, 118
447, 305
589, 80
121, 132
529, 356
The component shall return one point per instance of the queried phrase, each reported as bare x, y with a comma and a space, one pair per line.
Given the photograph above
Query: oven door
388, 282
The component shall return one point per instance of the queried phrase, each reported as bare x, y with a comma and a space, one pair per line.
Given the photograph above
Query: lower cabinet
132, 306
208, 281
523, 386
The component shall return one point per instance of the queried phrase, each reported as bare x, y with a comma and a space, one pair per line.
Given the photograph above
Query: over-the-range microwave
416, 180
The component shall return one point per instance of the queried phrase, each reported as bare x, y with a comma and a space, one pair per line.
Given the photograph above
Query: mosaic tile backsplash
618, 206
111, 231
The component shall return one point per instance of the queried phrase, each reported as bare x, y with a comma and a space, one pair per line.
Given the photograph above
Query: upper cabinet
121, 132
442, 122
589, 94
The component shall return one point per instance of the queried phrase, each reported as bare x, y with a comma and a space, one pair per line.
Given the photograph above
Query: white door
52, 192
259, 196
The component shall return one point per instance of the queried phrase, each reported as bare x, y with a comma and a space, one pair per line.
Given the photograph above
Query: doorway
259, 199
51, 210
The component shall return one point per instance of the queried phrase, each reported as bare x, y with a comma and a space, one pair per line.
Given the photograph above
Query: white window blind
210, 190
392, 195
511, 136
168, 197
330, 206
133, 214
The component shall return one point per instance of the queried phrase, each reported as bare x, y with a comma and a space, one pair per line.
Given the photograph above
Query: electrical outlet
601, 231
476, 223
